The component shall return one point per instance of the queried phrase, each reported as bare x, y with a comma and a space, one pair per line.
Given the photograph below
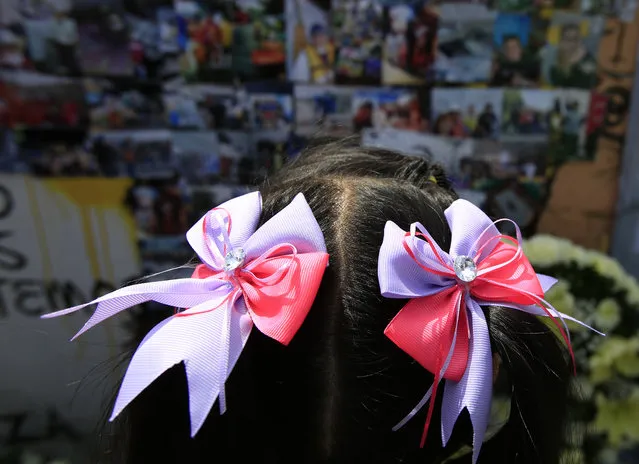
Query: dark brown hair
334, 393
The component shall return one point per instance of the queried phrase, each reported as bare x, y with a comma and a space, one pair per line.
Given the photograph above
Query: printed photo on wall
467, 112
359, 40
11, 160
197, 157
205, 36
235, 151
143, 154
517, 61
464, 43
104, 41
203, 198
206, 106
271, 111
616, 8
496, 162
259, 48
161, 210
123, 104
55, 153
35, 100
410, 43
569, 125
570, 56
324, 110
310, 50
514, 179
388, 108
536, 6
170, 27
269, 148
445, 151
527, 114
40, 36
145, 47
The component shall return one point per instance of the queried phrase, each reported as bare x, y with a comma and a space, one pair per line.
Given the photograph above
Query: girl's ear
496, 366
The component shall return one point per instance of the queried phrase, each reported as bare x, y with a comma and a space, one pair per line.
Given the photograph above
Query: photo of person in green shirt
571, 61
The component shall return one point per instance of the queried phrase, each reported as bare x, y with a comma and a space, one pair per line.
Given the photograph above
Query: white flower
607, 314
608, 456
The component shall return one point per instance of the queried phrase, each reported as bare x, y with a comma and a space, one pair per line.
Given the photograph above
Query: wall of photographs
198, 100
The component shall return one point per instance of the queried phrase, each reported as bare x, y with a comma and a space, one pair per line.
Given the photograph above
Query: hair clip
267, 278
443, 326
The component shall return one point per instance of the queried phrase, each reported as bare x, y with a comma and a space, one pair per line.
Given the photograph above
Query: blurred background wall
122, 121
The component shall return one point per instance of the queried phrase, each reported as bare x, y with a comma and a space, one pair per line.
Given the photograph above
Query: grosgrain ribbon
445, 312
272, 289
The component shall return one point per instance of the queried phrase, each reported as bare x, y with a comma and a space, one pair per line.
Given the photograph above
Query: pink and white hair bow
443, 326
267, 278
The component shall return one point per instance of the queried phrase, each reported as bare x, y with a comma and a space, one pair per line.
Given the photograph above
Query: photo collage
198, 101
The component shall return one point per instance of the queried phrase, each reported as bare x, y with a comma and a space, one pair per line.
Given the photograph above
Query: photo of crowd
382, 108
467, 112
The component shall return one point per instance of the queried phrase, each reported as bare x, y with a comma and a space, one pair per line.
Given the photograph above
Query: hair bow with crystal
442, 326
267, 278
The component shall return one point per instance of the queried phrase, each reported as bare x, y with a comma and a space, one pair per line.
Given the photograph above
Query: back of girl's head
336, 391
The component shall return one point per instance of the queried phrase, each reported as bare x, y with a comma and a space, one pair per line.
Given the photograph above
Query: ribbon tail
180, 293
535, 310
546, 282
228, 359
474, 390
415, 410
441, 370
198, 341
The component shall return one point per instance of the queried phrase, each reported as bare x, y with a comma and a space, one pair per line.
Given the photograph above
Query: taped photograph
359, 41
528, 114
206, 106
410, 43
445, 151
272, 112
140, 154
35, 100
259, 43
570, 56
310, 49
388, 108
205, 36
569, 125
104, 39
517, 58
464, 43
324, 110
123, 104
467, 112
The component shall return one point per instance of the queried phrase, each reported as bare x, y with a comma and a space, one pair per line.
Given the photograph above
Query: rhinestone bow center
234, 259
465, 268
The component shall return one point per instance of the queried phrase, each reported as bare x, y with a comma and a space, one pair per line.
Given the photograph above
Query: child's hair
336, 391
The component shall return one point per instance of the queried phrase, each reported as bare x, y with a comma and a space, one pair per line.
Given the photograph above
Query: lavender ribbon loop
209, 336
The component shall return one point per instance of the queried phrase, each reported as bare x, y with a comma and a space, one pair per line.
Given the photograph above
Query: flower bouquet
594, 288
